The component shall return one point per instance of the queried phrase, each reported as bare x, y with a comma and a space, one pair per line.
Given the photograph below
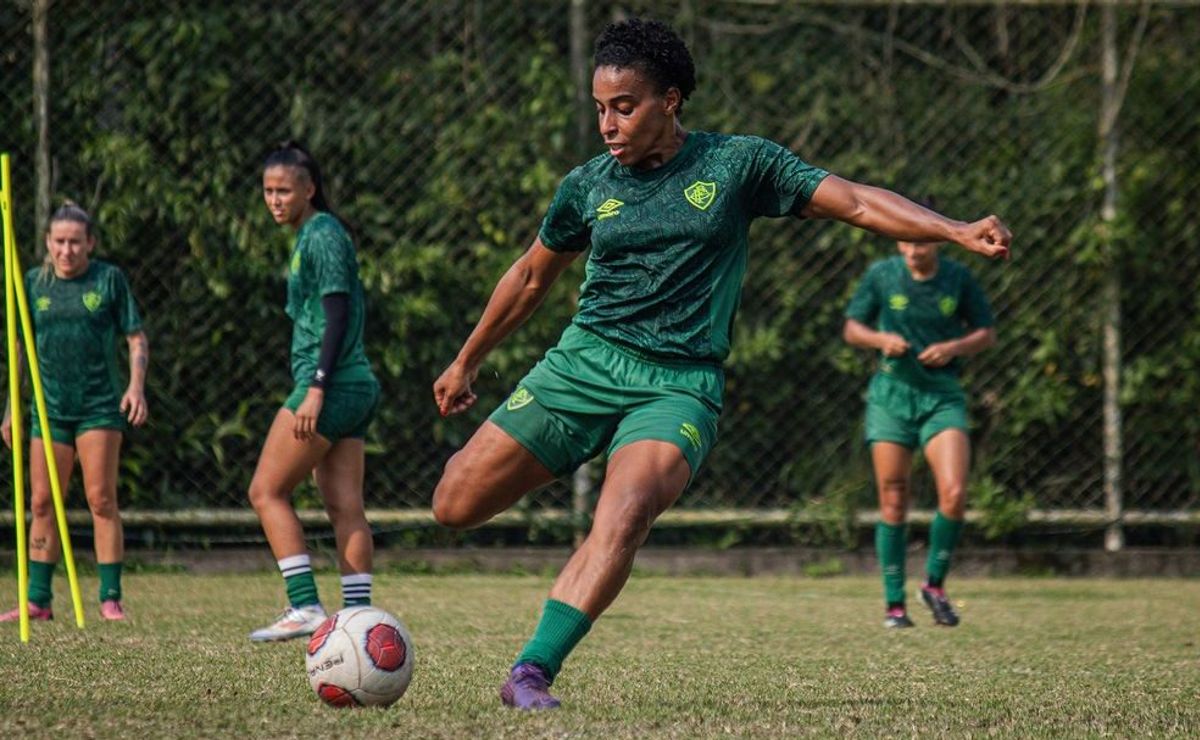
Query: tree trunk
579, 73
41, 113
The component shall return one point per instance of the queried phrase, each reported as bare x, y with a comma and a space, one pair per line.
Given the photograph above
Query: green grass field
675, 657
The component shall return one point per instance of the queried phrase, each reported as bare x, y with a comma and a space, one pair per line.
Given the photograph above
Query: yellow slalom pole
39, 397
14, 401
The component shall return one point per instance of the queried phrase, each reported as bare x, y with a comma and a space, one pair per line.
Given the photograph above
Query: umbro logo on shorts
692, 433
519, 399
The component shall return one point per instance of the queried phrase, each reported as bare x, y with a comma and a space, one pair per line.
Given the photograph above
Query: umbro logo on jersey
519, 399
898, 302
701, 194
608, 209
43, 303
296, 262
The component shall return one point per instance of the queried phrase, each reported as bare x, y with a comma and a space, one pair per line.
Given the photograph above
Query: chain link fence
444, 127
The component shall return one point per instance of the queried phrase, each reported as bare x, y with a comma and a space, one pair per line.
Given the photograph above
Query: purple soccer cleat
528, 688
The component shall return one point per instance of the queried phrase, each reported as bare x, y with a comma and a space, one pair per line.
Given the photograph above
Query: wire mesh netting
444, 127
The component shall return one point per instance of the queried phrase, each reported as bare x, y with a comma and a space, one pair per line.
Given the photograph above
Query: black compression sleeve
337, 319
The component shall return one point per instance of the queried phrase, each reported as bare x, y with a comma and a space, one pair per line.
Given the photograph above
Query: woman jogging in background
321, 428
922, 313
637, 374
79, 306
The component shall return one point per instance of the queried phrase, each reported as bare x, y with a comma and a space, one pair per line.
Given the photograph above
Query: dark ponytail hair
292, 153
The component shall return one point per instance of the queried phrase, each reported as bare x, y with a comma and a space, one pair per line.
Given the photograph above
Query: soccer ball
361, 656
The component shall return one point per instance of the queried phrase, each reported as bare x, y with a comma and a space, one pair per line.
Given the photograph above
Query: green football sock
110, 581
943, 537
356, 589
298, 577
891, 545
40, 576
561, 628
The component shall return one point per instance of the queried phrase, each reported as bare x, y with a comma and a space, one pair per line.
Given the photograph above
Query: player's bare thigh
99, 453
488, 475
39, 472
893, 465
284, 461
949, 457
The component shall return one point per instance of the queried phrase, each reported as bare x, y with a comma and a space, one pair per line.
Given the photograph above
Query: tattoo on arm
140, 351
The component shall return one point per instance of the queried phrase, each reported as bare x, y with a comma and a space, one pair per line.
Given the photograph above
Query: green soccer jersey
323, 263
669, 244
76, 323
924, 312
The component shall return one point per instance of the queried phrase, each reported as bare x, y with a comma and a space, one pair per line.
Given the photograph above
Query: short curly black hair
652, 48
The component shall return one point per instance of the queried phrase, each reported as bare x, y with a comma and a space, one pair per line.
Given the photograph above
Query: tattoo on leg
39, 543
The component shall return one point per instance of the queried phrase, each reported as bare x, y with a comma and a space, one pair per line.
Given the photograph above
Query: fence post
41, 111
1114, 536
581, 481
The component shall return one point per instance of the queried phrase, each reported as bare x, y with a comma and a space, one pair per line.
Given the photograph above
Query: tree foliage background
444, 127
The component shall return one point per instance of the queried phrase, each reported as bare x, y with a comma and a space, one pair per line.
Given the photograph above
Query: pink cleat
36, 613
112, 610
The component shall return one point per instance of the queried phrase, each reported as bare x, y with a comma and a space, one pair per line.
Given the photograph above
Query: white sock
295, 565
356, 588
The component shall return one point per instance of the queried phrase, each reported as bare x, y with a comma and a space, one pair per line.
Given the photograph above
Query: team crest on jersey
92, 300
296, 262
692, 434
42, 303
701, 194
519, 399
608, 209
947, 305
898, 302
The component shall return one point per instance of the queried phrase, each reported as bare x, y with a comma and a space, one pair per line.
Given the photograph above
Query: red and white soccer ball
361, 656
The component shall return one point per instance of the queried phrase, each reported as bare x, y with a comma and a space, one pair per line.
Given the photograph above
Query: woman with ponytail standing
79, 306
321, 428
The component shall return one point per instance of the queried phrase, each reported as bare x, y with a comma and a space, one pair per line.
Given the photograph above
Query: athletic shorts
347, 411
589, 395
909, 416
64, 431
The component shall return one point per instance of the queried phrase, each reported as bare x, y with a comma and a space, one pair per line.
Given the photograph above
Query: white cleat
293, 623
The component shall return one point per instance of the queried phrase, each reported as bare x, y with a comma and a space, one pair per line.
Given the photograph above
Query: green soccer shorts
347, 411
909, 416
589, 395
64, 431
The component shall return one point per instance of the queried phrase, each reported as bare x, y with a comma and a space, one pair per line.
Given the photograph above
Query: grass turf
677, 657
